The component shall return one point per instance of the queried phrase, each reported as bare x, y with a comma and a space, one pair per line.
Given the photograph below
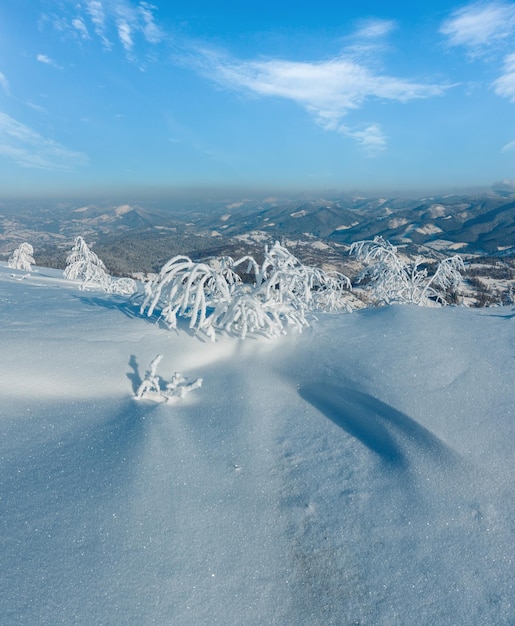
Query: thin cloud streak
96, 12
125, 35
80, 26
4, 84
373, 29
509, 146
150, 29
505, 85
28, 148
43, 58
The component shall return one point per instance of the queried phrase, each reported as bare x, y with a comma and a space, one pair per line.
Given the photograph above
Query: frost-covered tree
396, 279
213, 296
283, 279
22, 258
84, 265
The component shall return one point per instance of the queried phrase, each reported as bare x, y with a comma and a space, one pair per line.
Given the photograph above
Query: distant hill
137, 238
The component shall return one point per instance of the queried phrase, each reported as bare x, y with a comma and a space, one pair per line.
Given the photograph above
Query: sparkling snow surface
360, 473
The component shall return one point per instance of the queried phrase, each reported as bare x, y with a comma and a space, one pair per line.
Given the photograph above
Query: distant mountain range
475, 224
135, 238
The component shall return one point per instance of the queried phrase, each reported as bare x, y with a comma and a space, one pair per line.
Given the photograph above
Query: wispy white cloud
36, 107
370, 39
43, 58
27, 148
95, 10
132, 20
487, 30
371, 138
109, 21
505, 85
150, 28
328, 90
374, 28
4, 84
125, 35
508, 147
80, 26
480, 25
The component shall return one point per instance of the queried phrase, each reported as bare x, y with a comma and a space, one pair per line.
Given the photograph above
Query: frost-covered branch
178, 387
150, 384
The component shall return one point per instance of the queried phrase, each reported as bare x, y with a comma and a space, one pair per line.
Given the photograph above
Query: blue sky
104, 96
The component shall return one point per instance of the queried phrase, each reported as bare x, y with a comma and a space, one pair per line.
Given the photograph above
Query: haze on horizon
113, 97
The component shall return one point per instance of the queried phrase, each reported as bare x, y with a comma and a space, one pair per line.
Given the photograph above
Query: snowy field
360, 473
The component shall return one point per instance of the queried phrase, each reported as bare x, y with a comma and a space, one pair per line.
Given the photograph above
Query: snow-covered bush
188, 289
121, 286
22, 258
283, 279
84, 265
178, 387
394, 279
213, 297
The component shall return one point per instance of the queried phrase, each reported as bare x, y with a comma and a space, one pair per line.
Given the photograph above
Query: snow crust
359, 473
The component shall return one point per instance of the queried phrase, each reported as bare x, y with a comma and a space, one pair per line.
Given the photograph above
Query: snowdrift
359, 473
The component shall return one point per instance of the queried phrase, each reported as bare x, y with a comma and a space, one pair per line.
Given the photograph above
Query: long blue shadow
372, 421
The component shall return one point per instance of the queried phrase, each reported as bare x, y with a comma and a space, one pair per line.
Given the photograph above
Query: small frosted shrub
151, 389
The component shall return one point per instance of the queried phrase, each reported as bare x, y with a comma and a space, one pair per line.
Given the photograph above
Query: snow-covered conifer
394, 278
22, 258
84, 265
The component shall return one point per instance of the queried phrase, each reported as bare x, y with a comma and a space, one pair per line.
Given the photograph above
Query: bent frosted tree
214, 298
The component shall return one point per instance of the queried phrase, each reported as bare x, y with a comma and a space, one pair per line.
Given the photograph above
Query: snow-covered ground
360, 473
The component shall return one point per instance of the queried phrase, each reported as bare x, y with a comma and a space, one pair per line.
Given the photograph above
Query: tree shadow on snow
114, 303
372, 421
507, 316
134, 376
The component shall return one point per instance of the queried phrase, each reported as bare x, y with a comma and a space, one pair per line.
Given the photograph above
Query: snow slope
359, 473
